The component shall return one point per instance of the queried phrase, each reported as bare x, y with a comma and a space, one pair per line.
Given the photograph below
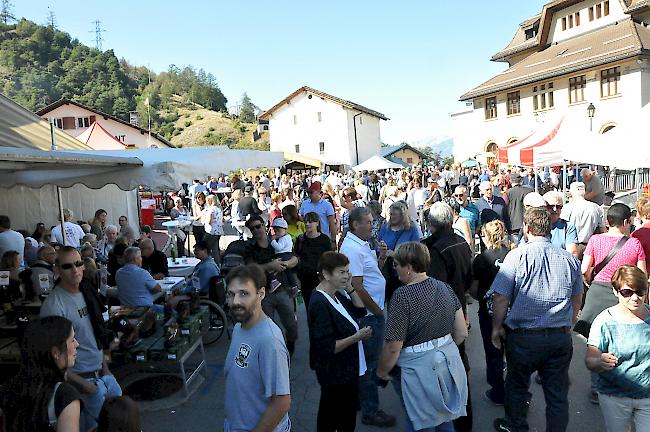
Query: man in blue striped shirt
542, 284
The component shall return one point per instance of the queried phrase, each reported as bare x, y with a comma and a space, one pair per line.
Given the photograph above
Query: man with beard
257, 364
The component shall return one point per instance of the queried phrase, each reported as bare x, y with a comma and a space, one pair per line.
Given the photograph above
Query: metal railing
625, 182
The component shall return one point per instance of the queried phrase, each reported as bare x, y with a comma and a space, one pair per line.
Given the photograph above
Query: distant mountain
443, 144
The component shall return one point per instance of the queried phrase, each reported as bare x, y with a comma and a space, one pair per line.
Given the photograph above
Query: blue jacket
204, 271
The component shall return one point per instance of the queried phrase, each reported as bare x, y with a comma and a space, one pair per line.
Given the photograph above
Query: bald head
147, 247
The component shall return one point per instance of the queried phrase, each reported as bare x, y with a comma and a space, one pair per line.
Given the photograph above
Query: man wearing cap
563, 233
248, 204
322, 208
515, 206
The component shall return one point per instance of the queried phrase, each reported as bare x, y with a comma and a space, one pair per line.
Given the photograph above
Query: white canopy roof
376, 163
627, 146
160, 169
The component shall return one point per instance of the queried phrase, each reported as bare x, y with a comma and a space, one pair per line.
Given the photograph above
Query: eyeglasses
627, 293
256, 226
459, 195
555, 207
68, 266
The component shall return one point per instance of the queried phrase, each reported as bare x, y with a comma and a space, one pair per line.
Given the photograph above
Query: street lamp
591, 111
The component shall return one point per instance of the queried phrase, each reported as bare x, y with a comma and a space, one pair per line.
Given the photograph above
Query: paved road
204, 410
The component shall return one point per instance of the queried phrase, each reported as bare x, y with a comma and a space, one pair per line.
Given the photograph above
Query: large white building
76, 119
573, 56
325, 128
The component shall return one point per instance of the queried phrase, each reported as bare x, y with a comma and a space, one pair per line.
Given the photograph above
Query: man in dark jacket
451, 262
248, 204
491, 207
515, 206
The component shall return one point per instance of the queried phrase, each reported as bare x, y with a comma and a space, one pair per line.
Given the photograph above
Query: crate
158, 351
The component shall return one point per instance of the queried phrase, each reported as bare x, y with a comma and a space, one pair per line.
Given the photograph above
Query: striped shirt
539, 279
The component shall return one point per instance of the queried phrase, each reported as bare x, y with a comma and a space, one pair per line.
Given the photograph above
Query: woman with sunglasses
619, 352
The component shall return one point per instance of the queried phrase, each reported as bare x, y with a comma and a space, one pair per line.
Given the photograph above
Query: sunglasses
627, 293
459, 195
555, 207
256, 226
68, 266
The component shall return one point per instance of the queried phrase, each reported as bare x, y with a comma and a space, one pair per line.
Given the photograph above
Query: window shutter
68, 122
92, 120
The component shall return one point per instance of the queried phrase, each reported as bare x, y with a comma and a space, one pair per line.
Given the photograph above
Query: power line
98, 34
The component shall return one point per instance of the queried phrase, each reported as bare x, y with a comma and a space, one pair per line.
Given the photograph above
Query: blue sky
410, 60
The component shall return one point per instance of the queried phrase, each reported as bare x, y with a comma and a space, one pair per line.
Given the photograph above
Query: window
599, 11
490, 108
591, 13
58, 123
360, 120
609, 79
295, 119
409, 160
563, 23
577, 14
514, 103
570, 21
321, 147
543, 97
606, 8
83, 122
297, 148
320, 116
577, 89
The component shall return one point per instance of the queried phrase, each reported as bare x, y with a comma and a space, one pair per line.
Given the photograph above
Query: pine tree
51, 19
6, 13
247, 112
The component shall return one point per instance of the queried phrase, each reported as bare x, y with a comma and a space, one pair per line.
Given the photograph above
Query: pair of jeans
397, 385
548, 352
337, 409
107, 387
368, 392
493, 356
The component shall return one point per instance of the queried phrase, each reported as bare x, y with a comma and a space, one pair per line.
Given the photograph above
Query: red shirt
643, 235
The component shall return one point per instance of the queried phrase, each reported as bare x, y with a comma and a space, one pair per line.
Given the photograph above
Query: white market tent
376, 163
627, 146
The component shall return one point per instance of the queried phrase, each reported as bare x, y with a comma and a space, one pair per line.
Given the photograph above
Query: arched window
607, 127
491, 147
513, 140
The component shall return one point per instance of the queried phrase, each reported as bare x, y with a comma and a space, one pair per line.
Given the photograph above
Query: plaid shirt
539, 279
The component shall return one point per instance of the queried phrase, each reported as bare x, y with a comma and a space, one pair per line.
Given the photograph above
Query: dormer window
599, 10
569, 21
531, 33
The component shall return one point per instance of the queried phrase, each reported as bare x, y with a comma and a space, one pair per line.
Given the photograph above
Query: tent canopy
624, 147
19, 127
376, 163
98, 138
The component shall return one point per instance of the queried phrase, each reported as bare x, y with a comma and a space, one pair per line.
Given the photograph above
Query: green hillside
41, 64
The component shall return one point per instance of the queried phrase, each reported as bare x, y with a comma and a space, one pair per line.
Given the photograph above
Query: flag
146, 102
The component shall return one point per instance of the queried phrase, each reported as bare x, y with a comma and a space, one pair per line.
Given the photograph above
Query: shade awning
376, 163
297, 157
522, 152
98, 138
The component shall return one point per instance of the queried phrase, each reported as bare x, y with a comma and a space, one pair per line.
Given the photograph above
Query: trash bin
147, 208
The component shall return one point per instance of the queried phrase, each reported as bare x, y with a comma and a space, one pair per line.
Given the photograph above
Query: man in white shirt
370, 284
73, 232
10, 240
587, 216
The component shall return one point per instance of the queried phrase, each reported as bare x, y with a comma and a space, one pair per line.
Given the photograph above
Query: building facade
75, 119
404, 154
575, 55
324, 127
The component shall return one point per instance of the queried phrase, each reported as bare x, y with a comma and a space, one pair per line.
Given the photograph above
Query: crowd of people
386, 263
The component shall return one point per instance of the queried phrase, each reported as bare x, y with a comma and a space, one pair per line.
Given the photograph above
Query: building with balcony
313, 124
573, 56
95, 128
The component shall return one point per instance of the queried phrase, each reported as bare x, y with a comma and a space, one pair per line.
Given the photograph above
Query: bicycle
217, 318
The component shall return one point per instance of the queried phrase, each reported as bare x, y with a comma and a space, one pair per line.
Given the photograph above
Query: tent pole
535, 174
564, 176
637, 183
58, 189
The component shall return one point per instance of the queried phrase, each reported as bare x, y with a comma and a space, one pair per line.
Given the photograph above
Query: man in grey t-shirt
89, 372
594, 190
257, 364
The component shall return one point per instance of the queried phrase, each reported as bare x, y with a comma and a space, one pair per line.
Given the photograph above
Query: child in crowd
283, 245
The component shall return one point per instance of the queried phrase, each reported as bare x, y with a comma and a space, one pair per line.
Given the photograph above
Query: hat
279, 223
315, 186
430, 180
248, 189
515, 178
534, 199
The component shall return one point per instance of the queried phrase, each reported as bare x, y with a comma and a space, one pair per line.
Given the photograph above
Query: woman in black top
309, 247
48, 350
485, 267
335, 350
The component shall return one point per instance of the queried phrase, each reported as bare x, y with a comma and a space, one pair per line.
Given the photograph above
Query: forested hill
40, 64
